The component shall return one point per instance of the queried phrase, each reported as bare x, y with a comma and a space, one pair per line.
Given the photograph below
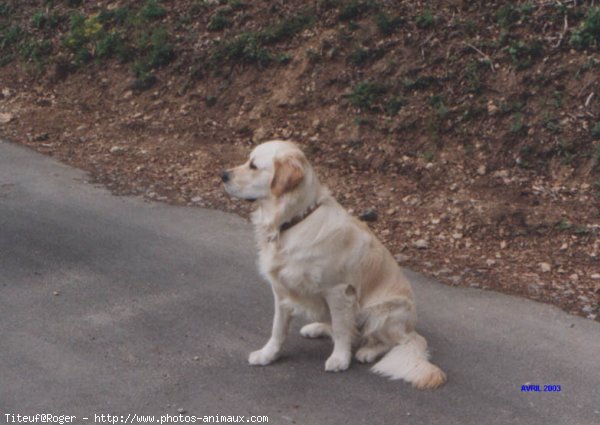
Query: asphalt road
113, 305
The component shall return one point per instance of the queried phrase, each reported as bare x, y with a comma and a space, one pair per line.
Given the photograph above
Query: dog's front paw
262, 357
337, 362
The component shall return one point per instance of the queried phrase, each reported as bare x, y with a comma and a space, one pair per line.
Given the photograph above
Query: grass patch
510, 14
360, 56
152, 10
596, 131
286, 29
425, 19
386, 24
372, 96
354, 10
251, 47
41, 20
244, 48
5, 9
523, 53
219, 22
518, 124
367, 95
588, 32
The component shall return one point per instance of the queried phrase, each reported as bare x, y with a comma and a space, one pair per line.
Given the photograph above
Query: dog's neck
276, 213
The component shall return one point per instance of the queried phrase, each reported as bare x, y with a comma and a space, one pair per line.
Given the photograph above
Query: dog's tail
409, 361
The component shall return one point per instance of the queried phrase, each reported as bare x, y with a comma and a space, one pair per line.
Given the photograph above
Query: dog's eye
252, 166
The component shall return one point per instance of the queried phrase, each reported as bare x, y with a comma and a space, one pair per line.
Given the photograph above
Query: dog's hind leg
316, 330
370, 351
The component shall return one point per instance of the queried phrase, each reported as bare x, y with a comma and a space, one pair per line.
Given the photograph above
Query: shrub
425, 19
152, 10
367, 94
219, 22
588, 33
596, 131
355, 9
386, 24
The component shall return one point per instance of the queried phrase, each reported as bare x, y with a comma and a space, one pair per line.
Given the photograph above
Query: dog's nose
225, 176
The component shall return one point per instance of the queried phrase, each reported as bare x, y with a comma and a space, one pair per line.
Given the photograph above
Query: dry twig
486, 57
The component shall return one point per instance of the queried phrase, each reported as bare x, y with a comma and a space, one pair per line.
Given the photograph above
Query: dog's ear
289, 172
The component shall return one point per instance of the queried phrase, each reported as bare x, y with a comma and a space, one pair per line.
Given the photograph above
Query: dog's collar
297, 219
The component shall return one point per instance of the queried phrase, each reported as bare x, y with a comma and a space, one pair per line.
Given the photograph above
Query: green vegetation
219, 22
425, 19
510, 14
518, 125
371, 96
387, 24
360, 56
243, 48
596, 131
251, 47
588, 33
42, 19
355, 9
524, 53
367, 95
152, 10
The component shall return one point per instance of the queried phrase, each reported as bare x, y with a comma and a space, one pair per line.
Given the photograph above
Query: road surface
115, 305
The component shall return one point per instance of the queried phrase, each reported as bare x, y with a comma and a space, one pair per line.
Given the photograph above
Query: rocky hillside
470, 130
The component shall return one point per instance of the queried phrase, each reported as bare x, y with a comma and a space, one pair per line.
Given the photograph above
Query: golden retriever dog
323, 263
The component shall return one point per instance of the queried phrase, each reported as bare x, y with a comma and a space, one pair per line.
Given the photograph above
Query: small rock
181, 410
56, 293
474, 285
391, 211
196, 358
583, 298
259, 135
595, 276
587, 309
481, 170
6, 92
421, 244
5, 118
401, 258
457, 236
42, 137
454, 279
196, 199
503, 245
574, 277
368, 215
564, 247
492, 108
545, 267
116, 150
490, 262
533, 288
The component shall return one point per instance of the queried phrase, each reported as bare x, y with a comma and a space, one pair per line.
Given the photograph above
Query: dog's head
274, 169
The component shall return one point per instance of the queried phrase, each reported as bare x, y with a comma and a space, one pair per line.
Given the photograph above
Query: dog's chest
297, 271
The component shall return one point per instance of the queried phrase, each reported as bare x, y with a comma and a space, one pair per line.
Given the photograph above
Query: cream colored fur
330, 268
